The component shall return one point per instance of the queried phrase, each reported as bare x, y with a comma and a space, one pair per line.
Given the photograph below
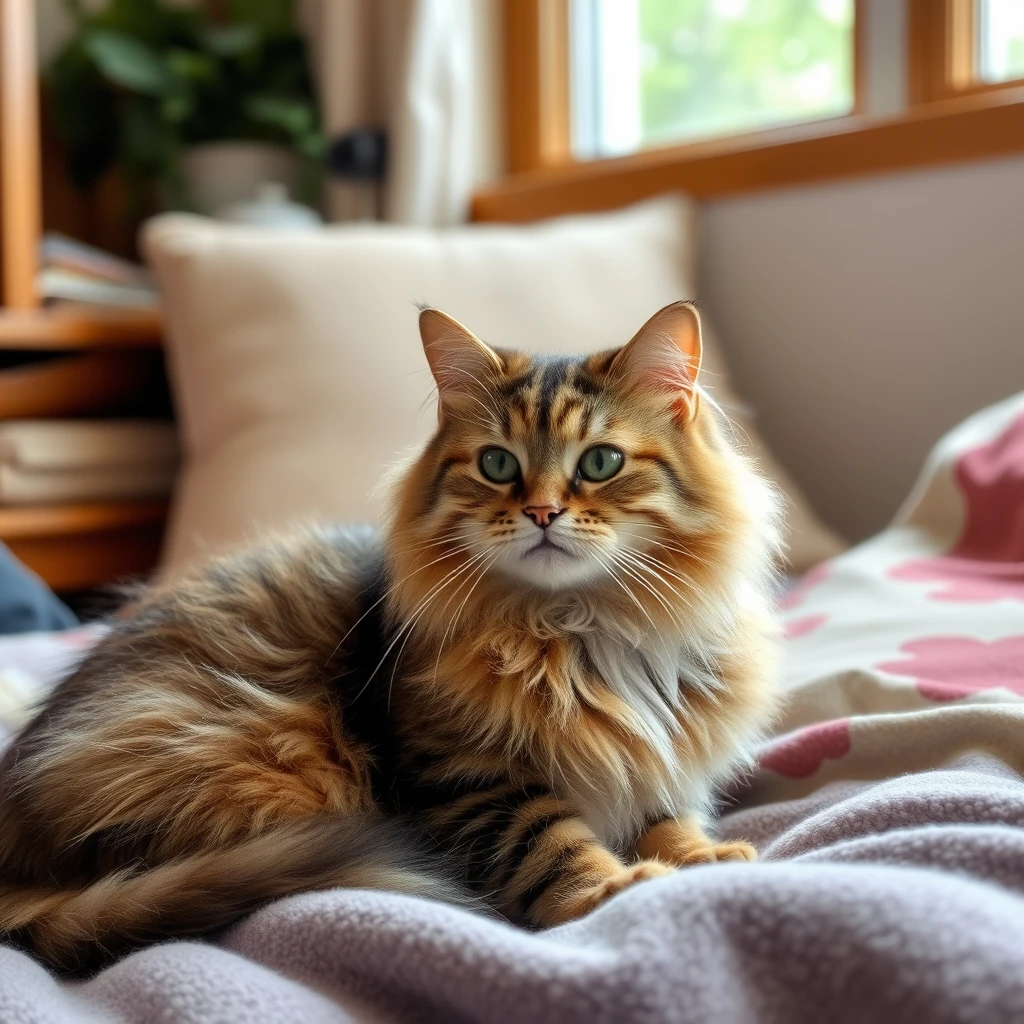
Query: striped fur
551, 728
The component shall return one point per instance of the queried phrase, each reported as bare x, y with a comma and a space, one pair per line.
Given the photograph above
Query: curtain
414, 68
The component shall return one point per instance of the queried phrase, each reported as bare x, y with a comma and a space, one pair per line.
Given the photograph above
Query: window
1000, 36
680, 92
651, 72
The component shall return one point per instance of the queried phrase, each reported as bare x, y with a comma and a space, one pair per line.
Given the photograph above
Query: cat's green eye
600, 463
499, 465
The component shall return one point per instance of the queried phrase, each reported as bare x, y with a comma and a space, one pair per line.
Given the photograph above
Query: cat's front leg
683, 841
532, 855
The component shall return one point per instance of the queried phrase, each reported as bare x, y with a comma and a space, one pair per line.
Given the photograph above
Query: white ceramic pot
221, 174
272, 209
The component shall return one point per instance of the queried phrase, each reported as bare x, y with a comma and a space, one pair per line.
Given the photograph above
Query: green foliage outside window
715, 66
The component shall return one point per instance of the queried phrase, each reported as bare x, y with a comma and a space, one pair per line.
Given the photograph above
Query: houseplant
141, 84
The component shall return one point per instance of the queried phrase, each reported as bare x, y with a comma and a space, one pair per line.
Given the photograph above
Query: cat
540, 671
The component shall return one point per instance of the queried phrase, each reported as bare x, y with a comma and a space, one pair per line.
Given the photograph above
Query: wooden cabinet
70, 546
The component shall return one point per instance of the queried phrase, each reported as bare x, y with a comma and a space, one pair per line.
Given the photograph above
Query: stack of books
72, 271
91, 426
44, 462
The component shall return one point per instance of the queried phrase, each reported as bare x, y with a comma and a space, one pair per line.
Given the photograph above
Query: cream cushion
297, 365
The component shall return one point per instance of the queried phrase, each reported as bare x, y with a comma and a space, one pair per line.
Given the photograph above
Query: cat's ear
461, 363
664, 356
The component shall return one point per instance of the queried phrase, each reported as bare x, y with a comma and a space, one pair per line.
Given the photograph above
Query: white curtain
412, 67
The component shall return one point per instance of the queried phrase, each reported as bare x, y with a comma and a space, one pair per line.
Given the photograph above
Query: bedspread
889, 809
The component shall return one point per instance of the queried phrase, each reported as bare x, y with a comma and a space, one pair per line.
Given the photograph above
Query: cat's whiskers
648, 556
686, 552
651, 566
448, 538
459, 610
477, 576
390, 591
629, 593
630, 571
423, 602
657, 564
393, 589
414, 616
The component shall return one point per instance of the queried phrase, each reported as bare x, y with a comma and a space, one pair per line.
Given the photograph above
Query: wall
865, 318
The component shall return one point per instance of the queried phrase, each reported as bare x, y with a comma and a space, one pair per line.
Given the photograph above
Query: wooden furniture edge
20, 165
964, 128
78, 547
87, 561
70, 329
21, 521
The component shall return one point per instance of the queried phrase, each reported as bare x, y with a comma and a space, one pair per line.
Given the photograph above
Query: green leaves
293, 116
126, 61
191, 65
231, 40
143, 79
270, 17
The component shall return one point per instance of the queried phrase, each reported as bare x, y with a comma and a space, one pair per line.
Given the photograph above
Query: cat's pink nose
542, 515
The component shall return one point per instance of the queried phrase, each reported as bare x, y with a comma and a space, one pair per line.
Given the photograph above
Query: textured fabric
909, 649
898, 901
889, 812
26, 603
32, 662
298, 370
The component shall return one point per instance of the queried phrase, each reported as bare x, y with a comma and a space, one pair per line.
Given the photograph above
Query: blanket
888, 807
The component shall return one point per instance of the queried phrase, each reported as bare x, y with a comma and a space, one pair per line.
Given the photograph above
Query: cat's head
567, 474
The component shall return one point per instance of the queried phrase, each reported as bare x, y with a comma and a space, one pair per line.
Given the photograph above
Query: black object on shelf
359, 155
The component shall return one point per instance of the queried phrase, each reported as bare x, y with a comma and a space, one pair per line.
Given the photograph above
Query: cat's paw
583, 901
738, 850
713, 853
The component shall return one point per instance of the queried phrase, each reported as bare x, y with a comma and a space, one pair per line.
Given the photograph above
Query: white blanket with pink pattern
908, 650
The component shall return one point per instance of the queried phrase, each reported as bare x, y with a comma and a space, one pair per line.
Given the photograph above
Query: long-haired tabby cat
556, 650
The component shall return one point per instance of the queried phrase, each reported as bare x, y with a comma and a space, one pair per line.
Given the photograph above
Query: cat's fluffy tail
76, 928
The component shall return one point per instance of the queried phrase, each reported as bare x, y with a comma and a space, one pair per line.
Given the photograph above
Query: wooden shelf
76, 547
78, 328
18, 521
72, 547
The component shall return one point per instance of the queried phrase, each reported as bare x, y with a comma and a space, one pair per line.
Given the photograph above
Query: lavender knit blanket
889, 810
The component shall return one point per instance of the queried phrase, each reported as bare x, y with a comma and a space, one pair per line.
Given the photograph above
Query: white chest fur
653, 681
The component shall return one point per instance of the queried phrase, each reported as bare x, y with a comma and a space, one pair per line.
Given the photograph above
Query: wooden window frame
950, 118
538, 128
942, 59
537, 123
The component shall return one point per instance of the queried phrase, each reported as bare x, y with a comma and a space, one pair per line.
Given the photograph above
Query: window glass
652, 72
1000, 40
